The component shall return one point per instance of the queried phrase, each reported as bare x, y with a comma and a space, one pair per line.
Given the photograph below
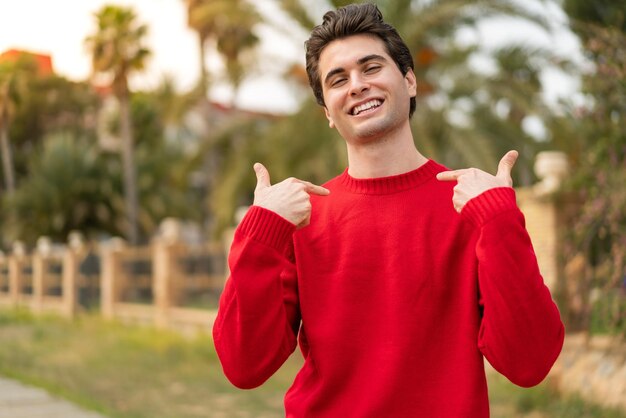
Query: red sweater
395, 299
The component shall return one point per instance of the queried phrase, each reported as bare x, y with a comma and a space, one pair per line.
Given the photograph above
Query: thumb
262, 176
506, 165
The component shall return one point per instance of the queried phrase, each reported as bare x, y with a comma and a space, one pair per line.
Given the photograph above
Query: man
394, 280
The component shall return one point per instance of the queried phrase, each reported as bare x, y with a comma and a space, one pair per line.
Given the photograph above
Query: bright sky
59, 27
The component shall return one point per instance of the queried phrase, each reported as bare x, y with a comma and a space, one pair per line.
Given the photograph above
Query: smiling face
366, 96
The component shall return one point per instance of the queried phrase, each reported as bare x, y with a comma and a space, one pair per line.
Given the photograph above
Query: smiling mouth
372, 104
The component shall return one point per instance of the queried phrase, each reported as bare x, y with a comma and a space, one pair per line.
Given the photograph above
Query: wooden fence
168, 284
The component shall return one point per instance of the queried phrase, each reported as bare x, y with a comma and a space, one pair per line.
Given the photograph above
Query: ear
331, 124
411, 82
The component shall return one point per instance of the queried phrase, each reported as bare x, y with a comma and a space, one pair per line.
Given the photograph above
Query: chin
372, 132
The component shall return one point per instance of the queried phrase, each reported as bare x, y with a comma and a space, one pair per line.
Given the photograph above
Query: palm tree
198, 20
235, 40
201, 16
117, 50
229, 24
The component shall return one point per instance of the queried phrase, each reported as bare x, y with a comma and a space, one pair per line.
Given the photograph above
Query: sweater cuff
489, 204
267, 227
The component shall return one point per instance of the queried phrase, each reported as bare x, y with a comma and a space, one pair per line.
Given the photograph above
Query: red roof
44, 61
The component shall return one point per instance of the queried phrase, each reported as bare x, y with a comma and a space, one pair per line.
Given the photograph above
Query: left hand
471, 181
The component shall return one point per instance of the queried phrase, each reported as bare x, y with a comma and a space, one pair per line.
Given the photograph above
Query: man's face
365, 93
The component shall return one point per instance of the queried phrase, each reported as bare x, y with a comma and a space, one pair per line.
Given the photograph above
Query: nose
358, 85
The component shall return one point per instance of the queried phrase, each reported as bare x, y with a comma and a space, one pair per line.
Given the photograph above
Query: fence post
166, 276
111, 279
4, 263
71, 257
69, 281
15, 272
39, 260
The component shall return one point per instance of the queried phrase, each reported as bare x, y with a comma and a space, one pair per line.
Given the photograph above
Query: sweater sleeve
521, 332
258, 316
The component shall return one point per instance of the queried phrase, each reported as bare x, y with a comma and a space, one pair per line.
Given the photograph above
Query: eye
371, 69
337, 81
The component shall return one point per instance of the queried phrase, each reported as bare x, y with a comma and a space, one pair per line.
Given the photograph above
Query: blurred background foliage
61, 140
596, 143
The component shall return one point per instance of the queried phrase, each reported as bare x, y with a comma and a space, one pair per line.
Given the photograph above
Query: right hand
290, 198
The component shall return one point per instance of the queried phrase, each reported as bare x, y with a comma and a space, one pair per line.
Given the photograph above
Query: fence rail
168, 284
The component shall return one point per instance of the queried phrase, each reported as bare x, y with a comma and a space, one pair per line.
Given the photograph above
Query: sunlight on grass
127, 371
542, 401
135, 372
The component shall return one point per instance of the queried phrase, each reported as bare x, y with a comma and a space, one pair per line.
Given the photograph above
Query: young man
395, 281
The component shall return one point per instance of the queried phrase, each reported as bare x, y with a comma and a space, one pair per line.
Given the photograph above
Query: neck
387, 156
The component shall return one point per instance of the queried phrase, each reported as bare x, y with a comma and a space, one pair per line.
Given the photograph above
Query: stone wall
594, 368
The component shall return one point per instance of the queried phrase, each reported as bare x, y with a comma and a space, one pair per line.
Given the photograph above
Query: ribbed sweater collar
391, 184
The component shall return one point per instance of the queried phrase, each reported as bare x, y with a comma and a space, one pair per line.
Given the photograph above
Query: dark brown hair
354, 19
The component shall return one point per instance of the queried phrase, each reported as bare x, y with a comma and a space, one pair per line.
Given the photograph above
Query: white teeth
365, 106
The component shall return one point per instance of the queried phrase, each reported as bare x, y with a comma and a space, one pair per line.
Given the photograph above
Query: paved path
20, 401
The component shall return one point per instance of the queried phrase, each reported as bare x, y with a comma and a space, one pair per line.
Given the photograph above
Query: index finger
315, 189
450, 175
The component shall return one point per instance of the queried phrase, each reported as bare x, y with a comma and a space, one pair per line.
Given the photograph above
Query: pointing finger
315, 189
262, 176
450, 175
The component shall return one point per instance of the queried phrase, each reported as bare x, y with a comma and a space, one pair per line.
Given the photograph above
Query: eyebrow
360, 61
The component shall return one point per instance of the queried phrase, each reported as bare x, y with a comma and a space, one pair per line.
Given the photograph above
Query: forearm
521, 332
255, 330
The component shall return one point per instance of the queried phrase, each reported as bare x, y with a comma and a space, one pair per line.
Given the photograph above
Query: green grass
133, 372
542, 401
130, 372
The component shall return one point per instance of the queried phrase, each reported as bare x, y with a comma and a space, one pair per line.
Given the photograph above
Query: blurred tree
73, 184
164, 169
228, 24
604, 13
14, 77
117, 50
51, 104
596, 140
173, 108
70, 186
201, 17
236, 40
